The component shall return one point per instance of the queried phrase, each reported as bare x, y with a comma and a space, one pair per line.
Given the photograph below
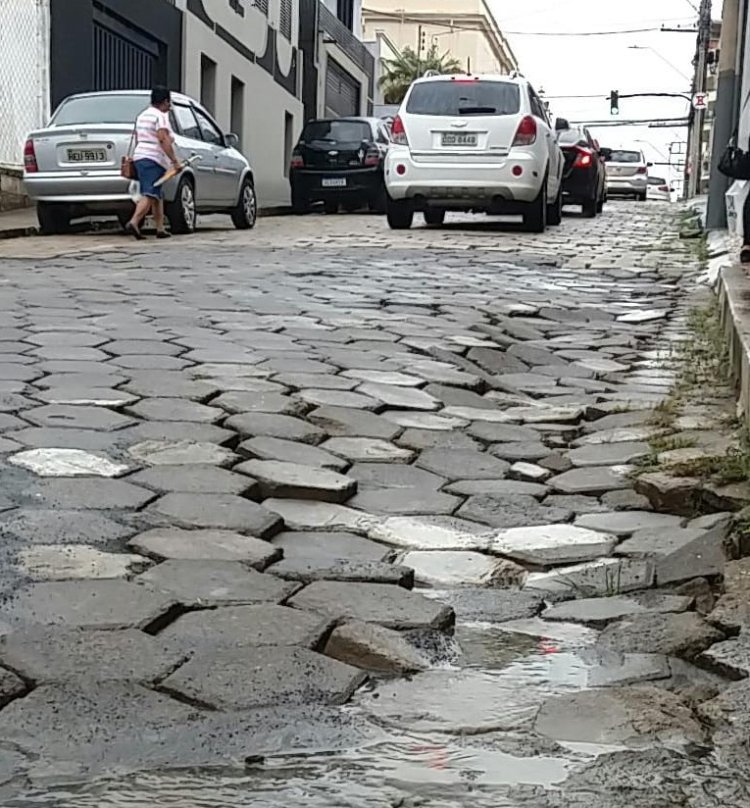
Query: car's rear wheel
590, 207
378, 202
331, 206
600, 205
641, 197
54, 218
245, 213
181, 212
535, 216
434, 217
554, 211
400, 214
300, 202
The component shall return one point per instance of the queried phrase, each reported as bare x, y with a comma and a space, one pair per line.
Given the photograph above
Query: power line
583, 33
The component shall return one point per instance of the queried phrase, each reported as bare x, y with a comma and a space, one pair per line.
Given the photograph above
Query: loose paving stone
405, 501
106, 604
62, 438
679, 553
499, 488
601, 577
538, 415
683, 635
475, 414
391, 378
176, 432
329, 548
318, 381
598, 612
529, 472
511, 510
222, 511
374, 648
194, 478
264, 402
367, 450
67, 463
133, 347
620, 670
242, 626
275, 426
341, 398
288, 451
496, 361
171, 409
51, 562
83, 417
215, 583
57, 526
87, 493
520, 451
474, 604
181, 453
82, 395
423, 420
445, 568
594, 480
419, 439
625, 523
634, 434
730, 658
575, 502
347, 422
52, 656
533, 355
10, 687
394, 475
463, 464
626, 715
669, 494
390, 606
609, 454
402, 398
431, 533
295, 481
243, 678
307, 570
551, 545
625, 500
209, 545
502, 433
732, 610
299, 514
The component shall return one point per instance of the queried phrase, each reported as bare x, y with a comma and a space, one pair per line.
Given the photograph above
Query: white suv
474, 143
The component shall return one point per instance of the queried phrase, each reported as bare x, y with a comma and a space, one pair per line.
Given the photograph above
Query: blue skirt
149, 172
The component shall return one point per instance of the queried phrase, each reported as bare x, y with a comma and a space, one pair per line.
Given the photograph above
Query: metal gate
123, 59
342, 92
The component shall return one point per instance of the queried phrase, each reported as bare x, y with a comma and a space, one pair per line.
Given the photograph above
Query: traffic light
422, 40
614, 102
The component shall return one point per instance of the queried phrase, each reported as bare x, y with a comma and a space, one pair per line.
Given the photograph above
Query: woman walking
153, 155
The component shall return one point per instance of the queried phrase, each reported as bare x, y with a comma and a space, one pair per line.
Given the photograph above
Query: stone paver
552, 545
83, 417
295, 481
67, 463
287, 451
221, 511
445, 568
374, 648
181, 453
601, 611
194, 479
511, 510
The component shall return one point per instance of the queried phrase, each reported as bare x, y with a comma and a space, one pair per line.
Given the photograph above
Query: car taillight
398, 133
664, 188
526, 133
642, 170
372, 158
584, 158
29, 158
298, 161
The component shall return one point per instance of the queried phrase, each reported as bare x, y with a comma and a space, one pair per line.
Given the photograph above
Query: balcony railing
331, 25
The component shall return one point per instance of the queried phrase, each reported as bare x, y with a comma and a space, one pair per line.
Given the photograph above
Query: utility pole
420, 37
726, 112
697, 116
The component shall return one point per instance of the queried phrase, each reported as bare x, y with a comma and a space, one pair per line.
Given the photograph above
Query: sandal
745, 254
163, 234
132, 230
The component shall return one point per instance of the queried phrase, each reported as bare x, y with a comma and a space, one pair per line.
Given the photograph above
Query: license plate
87, 155
460, 139
332, 182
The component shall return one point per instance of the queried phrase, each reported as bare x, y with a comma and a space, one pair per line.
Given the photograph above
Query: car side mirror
561, 124
232, 140
606, 153
649, 165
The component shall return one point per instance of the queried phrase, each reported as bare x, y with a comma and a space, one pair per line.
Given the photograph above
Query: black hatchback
340, 162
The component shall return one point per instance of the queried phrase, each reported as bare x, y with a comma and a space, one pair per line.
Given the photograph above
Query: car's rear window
619, 156
657, 181
337, 131
100, 109
464, 97
572, 137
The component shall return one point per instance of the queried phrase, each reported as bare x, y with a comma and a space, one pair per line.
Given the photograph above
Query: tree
408, 66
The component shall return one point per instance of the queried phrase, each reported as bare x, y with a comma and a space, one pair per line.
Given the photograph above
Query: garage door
342, 92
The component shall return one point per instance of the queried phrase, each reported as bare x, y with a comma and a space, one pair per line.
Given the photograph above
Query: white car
627, 173
659, 189
474, 143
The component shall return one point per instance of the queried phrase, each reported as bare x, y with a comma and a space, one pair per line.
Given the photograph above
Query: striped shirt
148, 123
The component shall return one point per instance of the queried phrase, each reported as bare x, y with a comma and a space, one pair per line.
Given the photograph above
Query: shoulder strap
736, 132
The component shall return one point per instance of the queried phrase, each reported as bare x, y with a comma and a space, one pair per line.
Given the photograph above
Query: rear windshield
626, 157
100, 109
464, 98
571, 137
337, 131
657, 181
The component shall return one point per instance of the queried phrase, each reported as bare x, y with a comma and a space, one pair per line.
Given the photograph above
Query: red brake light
664, 188
584, 158
29, 158
398, 133
526, 134
298, 161
642, 170
372, 158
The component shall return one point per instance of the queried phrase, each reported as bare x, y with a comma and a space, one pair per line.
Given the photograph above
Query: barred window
285, 20
261, 5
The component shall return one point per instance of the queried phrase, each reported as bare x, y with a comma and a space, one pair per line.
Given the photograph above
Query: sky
595, 65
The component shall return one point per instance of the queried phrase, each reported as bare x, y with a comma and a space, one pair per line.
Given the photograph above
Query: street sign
700, 101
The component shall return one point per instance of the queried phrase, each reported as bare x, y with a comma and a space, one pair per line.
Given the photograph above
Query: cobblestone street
331, 515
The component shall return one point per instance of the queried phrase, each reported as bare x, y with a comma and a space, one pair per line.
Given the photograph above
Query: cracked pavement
251, 478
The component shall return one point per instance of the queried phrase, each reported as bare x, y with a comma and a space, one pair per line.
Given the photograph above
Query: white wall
24, 74
266, 102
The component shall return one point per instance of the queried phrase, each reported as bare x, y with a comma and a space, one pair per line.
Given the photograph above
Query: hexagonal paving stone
176, 431
367, 449
215, 545
551, 545
275, 426
85, 395
339, 398
463, 464
594, 480
609, 454
431, 533
67, 463
295, 481
58, 655
215, 583
223, 511
146, 362
173, 385
108, 604
346, 422
390, 606
84, 417
54, 562
10, 686
135, 347
241, 626
419, 439
87, 493
405, 501
47, 526
171, 409
402, 398
384, 377
181, 453
242, 678
289, 451
194, 479
300, 514
373, 476
269, 402
329, 548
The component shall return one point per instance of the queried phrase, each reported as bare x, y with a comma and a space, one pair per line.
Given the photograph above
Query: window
208, 83
209, 130
102, 108
345, 12
288, 141
573, 137
626, 157
262, 6
471, 97
185, 122
537, 107
381, 134
336, 131
285, 19
237, 111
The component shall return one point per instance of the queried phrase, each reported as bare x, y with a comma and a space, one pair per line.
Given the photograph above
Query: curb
734, 292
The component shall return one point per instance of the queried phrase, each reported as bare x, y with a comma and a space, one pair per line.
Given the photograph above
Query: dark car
340, 162
585, 173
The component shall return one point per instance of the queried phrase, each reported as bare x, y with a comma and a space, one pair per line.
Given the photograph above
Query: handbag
127, 165
735, 162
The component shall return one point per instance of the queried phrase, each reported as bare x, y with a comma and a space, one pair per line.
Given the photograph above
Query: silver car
627, 173
72, 168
